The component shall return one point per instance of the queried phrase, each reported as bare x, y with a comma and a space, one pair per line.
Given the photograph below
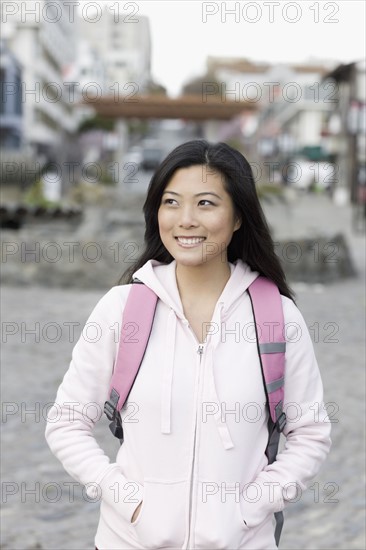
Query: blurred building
123, 44
344, 130
41, 36
115, 55
11, 108
87, 69
291, 100
290, 122
86, 78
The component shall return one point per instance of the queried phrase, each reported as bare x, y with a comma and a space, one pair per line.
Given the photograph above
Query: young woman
192, 471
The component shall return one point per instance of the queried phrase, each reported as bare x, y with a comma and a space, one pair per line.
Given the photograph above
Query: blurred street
43, 509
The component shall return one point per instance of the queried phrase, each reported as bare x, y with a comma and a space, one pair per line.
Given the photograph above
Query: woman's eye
168, 201
205, 200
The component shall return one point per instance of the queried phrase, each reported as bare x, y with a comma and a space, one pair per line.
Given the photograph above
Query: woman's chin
189, 260
188, 263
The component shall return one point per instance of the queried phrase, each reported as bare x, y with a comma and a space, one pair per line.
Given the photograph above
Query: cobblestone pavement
40, 506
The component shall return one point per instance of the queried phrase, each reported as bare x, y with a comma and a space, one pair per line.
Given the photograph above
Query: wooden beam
185, 107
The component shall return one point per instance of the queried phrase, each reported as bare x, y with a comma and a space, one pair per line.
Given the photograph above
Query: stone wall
95, 252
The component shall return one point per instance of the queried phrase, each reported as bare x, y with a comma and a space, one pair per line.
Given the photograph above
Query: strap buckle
116, 427
110, 406
281, 422
112, 414
110, 410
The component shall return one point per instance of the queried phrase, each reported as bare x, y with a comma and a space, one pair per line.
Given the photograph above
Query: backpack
269, 326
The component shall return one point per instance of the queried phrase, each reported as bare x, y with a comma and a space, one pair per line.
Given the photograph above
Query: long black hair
252, 242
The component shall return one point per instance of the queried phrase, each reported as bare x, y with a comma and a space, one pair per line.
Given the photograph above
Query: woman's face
196, 216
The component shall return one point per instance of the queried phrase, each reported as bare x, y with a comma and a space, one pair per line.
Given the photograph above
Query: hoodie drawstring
221, 425
168, 370
168, 367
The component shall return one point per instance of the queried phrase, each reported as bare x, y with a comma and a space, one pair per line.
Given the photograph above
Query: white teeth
194, 240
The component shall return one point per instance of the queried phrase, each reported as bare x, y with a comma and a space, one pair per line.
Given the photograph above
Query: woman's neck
195, 283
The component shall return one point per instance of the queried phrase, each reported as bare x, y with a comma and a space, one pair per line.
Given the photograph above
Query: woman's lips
189, 242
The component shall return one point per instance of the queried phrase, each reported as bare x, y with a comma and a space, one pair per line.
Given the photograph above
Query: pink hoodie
195, 423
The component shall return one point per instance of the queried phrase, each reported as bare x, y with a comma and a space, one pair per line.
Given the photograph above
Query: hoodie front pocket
161, 522
218, 523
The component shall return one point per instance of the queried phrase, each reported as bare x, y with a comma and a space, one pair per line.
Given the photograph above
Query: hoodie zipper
200, 352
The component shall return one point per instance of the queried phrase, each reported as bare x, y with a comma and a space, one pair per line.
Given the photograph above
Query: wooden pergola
192, 107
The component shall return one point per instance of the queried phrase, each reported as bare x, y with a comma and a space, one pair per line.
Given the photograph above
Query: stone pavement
40, 507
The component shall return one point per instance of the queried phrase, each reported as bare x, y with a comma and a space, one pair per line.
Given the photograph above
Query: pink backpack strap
269, 320
269, 323
137, 323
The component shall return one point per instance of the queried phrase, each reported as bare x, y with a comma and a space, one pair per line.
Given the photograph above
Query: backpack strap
269, 326
137, 323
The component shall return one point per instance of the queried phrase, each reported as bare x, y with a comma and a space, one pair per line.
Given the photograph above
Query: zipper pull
200, 349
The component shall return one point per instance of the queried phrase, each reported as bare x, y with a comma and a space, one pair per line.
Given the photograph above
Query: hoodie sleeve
307, 430
80, 402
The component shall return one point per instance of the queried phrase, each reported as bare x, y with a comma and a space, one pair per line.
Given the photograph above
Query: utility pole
121, 150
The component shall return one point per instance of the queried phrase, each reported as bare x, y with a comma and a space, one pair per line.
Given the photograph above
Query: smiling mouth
190, 241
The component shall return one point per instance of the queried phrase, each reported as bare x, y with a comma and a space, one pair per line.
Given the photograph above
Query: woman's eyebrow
197, 194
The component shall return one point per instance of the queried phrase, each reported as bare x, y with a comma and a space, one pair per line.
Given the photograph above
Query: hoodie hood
161, 278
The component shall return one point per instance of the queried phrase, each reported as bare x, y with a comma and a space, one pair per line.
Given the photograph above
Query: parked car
152, 155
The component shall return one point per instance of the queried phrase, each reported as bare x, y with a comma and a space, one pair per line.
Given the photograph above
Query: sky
184, 33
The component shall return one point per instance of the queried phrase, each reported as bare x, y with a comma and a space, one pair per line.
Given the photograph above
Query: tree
199, 84
154, 88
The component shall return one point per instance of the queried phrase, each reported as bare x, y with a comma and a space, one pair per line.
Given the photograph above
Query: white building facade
123, 43
41, 35
291, 101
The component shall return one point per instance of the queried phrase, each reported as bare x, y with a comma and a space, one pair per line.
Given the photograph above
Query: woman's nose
187, 217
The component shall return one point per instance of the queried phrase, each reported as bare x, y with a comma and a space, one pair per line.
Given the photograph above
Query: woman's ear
237, 223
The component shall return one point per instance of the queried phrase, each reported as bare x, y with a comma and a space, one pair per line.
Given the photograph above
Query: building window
2, 91
18, 95
9, 138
